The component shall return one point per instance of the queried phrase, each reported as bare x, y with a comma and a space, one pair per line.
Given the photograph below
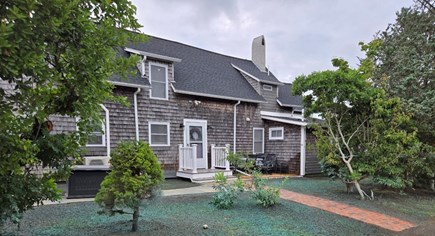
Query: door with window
195, 132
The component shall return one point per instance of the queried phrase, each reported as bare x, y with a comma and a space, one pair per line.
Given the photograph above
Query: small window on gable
159, 133
276, 133
96, 137
267, 87
159, 81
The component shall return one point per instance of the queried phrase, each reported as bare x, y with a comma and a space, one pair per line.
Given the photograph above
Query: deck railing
187, 158
219, 157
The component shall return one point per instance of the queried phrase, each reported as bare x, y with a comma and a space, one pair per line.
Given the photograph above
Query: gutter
235, 125
107, 129
136, 116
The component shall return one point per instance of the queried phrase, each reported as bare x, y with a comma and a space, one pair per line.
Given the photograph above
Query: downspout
235, 125
136, 116
107, 129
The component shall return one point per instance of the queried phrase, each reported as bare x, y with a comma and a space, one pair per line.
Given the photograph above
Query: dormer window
159, 81
267, 87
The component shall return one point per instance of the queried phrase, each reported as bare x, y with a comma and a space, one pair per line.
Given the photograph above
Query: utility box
85, 180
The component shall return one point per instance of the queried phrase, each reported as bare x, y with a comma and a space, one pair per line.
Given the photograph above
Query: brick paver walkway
369, 217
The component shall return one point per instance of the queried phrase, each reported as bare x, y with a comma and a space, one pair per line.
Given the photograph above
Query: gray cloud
302, 36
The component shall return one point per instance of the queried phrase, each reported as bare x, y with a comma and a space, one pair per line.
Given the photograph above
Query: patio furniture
270, 163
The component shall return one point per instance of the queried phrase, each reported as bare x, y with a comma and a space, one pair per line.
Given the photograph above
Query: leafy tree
55, 59
134, 175
402, 62
363, 134
404, 57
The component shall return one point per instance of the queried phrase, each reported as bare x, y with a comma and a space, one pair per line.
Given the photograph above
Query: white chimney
259, 52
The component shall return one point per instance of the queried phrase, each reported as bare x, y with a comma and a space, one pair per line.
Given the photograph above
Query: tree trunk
358, 188
355, 182
432, 184
134, 225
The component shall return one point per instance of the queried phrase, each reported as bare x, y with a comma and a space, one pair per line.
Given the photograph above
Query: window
96, 137
159, 81
258, 140
159, 133
276, 133
267, 87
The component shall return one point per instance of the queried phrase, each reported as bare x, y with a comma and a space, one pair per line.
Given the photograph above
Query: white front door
195, 132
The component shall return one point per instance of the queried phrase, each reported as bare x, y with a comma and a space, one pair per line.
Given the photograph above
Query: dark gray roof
286, 99
134, 80
207, 73
252, 69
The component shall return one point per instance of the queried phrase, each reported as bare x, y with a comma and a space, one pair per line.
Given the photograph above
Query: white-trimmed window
267, 87
159, 81
159, 133
96, 137
258, 140
276, 133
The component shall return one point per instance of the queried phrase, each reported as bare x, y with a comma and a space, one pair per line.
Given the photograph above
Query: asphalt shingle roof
205, 73
286, 98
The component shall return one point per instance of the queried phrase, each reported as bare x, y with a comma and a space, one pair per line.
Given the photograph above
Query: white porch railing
187, 158
219, 157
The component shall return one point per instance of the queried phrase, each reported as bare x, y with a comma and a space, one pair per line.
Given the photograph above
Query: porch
195, 167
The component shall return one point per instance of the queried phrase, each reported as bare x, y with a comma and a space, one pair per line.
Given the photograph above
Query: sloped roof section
205, 73
132, 80
286, 99
252, 70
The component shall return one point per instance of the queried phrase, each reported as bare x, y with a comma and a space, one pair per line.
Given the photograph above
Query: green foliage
235, 159
402, 63
265, 196
226, 193
404, 56
237, 162
55, 59
134, 175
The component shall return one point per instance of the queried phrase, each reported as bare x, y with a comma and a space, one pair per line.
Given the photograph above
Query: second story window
159, 81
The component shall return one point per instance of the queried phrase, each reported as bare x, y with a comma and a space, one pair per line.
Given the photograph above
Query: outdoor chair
270, 163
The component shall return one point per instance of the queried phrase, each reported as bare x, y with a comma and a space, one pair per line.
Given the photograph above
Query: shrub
134, 175
227, 193
265, 196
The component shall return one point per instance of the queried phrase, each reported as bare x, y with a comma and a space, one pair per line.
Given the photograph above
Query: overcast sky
302, 36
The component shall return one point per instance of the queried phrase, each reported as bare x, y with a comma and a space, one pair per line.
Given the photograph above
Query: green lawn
185, 215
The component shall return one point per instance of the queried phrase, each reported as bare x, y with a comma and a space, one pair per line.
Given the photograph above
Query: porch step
203, 175
210, 180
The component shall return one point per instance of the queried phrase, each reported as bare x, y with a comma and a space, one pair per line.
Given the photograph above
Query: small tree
364, 133
134, 175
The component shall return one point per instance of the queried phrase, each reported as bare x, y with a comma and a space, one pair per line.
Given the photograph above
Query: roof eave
287, 105
152, 55
287, 121
215, 96
130, 85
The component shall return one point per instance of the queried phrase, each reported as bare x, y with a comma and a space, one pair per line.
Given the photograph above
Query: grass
185, 215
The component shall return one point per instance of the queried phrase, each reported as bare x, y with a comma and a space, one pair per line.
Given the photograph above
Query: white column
227, 151
194, 157
180, 157
213, 157
303, 148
